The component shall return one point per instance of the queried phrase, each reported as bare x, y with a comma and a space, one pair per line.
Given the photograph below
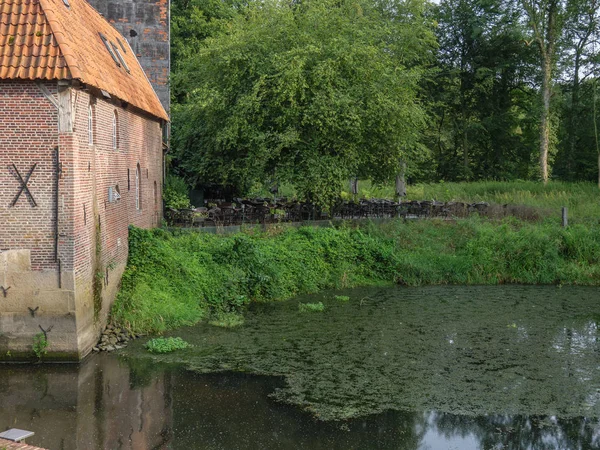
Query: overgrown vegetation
581, 198
175, 193
178, 279
311, 307
226, 319
40, 345
166, 345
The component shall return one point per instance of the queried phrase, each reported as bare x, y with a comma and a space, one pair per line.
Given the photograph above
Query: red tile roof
45, 39
9, 445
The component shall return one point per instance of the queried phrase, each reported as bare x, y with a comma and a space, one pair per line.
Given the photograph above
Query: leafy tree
482, 98
192, 21
545, 19
309, 93
581, 33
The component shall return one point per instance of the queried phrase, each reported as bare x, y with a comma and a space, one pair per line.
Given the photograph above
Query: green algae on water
311, 307
472, 351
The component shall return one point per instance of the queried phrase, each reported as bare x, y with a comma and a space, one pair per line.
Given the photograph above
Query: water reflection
109, 404
95, 405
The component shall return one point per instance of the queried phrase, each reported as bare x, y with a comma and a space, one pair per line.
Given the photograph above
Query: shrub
166, 345
175, 193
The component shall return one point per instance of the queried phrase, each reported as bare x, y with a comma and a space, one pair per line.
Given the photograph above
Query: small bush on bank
176, 279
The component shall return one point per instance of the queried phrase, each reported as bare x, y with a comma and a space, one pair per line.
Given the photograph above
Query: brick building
81, 154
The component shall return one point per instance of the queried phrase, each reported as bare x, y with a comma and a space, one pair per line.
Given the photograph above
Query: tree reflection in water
475, 368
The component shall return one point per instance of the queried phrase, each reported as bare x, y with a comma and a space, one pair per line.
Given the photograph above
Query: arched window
91, 125
138, 188
155, 196
115, 131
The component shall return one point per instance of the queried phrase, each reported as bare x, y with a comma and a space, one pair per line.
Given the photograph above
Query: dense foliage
316, 92
311, 94
175, 193
178, 279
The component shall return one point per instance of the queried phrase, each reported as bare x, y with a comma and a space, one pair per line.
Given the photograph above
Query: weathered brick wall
37, 295
93, 231
145, 25
28, 136
99, 220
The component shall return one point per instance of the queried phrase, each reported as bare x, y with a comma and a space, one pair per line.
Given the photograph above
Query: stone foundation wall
31, 302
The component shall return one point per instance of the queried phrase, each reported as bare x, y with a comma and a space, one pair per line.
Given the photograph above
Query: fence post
565, 218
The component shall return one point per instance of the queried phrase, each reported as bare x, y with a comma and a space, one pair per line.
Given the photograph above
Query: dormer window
118, 53
110, 49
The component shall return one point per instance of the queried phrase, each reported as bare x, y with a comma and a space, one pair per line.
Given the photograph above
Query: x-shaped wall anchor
4, 290
24, 185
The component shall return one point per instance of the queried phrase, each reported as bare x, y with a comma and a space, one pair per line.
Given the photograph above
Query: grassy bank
582, 199
174, 280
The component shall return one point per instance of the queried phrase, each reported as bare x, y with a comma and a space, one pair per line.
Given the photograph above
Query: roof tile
45, 39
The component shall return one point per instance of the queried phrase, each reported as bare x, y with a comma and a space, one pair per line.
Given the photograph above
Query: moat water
504, 367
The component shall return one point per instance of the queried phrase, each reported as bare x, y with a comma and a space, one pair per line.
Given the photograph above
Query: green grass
582, 199
311, 307
166, 345
227, 320
341, 298
179, 279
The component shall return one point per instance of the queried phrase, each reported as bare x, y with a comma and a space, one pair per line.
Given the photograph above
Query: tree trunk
401, 181
595, 102
545, 118
573, 120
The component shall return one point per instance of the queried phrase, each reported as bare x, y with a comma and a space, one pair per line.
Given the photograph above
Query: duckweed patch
311, 307
469, 351
227, 320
